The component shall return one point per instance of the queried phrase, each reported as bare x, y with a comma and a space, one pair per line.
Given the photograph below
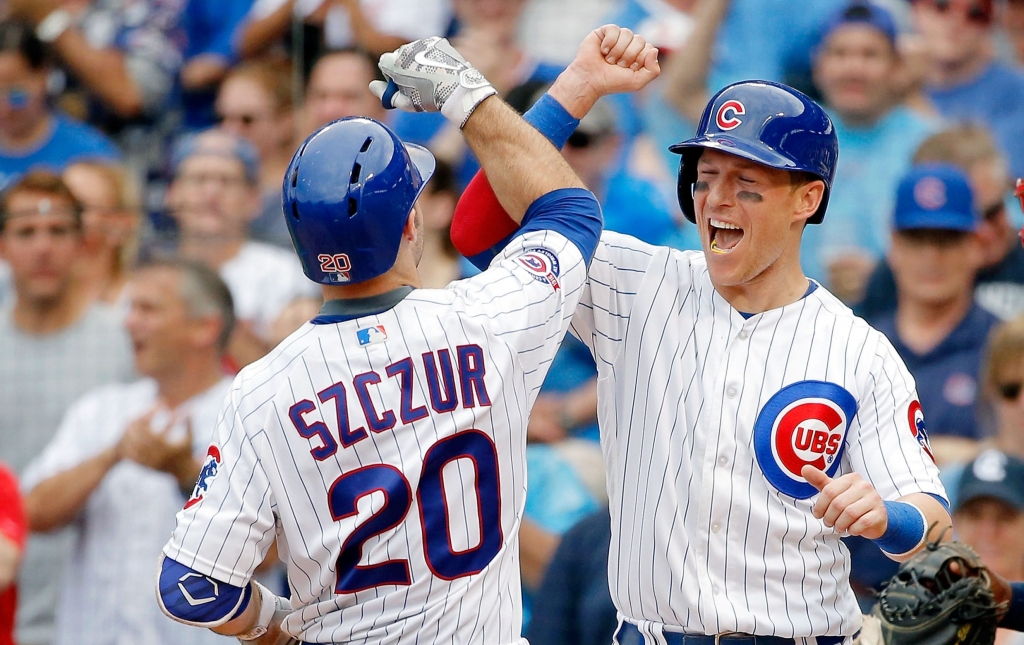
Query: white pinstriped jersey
387, 454
707, 418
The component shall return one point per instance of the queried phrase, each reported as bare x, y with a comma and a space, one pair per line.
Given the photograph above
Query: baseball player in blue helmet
383, 443
347, 194
749, 420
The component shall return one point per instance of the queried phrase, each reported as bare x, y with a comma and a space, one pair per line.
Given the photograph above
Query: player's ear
413, 225
808, 197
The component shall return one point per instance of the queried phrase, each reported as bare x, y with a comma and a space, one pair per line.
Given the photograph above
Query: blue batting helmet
765, 122
348, 193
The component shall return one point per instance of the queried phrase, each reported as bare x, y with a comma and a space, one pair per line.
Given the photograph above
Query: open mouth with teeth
724, 236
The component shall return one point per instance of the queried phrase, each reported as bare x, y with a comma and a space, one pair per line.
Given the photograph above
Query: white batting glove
267, 631
428, 75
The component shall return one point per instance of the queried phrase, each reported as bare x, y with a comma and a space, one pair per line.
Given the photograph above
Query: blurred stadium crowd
144, 257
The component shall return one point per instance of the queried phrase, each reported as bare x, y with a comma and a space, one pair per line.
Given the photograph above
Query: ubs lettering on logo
804, 423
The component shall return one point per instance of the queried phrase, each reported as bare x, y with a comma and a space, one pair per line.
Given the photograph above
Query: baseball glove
928, 603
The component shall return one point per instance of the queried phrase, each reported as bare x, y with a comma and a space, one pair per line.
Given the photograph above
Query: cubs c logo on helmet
211, 465
915, 417
726, 116
804, 423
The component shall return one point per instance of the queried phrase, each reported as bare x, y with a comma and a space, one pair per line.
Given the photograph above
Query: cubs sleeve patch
915, 418
211, 465
804, 423
542, 265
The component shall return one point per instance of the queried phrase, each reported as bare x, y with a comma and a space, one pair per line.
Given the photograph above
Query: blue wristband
552, 120
905, 530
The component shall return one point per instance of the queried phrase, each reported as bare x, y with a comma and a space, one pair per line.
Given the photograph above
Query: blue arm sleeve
196, 599
573, 212
1014, 618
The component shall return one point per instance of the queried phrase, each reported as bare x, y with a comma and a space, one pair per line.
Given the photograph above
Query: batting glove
428, 75
267, 631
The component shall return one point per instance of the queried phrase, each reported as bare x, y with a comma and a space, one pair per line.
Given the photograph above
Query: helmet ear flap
685, 180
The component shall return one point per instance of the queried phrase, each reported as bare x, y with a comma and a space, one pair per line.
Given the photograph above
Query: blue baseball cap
992, 474
862, 12
218, 143
935, 196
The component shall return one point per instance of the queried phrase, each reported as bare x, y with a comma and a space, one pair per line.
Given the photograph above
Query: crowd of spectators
144, 257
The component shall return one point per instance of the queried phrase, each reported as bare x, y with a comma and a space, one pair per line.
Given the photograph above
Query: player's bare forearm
244, 621
56, 501
521, 164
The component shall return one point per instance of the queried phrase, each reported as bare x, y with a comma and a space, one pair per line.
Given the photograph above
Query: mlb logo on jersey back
371, 335
804, 423
542, 265
211, 466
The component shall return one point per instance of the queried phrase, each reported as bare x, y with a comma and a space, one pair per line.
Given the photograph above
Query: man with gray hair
126, 457
213, 198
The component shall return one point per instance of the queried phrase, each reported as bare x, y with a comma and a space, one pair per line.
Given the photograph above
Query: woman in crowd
111, 202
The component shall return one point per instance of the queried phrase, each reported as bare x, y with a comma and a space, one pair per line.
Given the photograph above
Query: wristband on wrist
552, 120
268, 605
53, 25
905, 531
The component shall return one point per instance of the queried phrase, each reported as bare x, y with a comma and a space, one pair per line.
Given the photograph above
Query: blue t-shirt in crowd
573, 605
871, 163
947, 376
209, 29
69, 141
572, 367
994, 98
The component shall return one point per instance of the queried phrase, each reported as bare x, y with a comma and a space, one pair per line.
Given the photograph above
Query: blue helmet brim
423, 159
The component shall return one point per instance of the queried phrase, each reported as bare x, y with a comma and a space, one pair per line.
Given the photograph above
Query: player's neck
194, 375
399, 276
777, 286
922, 325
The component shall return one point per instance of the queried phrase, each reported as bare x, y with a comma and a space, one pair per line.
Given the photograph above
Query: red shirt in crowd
14, 528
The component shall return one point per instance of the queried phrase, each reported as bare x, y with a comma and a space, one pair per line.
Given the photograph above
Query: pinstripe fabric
702, 542
270, 484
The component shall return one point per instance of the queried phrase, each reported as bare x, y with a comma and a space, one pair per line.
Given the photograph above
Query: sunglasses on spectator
993, 211
245, 119
1010, 391
977, 12
16, 97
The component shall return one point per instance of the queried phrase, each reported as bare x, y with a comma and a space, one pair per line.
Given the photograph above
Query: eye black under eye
700, 185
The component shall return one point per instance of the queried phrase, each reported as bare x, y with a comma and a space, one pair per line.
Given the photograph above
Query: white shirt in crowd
409, 18
263, 279
108, 587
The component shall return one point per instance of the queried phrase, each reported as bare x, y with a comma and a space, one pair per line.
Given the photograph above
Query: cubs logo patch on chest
804, 423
